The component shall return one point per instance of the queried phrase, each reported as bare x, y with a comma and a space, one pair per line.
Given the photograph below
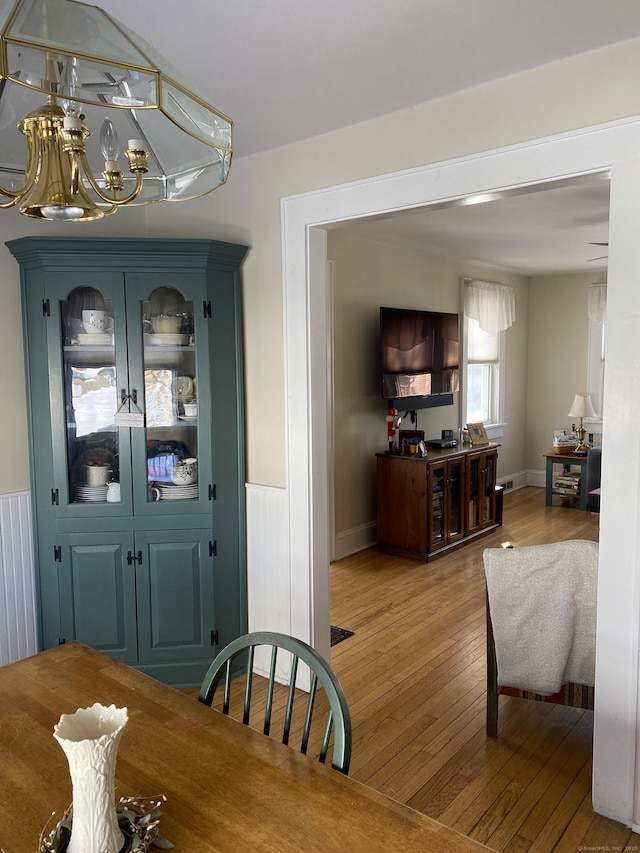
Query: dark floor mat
339, 634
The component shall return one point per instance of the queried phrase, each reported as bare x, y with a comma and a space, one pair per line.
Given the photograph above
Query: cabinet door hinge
212, 492
206, 309
214, 637
57, 553
132, 559
55, 497
213, 548
62, 641
46, 308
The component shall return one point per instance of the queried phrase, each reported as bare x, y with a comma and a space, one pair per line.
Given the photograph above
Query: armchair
594, 459
541, 624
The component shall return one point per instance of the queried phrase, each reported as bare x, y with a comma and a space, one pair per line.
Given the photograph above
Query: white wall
558, 356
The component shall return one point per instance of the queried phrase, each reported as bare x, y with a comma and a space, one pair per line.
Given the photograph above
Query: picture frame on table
477, 435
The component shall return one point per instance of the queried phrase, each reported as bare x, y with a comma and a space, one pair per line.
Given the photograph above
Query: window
489, 309
483, 374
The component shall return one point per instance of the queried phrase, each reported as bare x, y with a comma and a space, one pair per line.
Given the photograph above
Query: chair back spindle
338, 720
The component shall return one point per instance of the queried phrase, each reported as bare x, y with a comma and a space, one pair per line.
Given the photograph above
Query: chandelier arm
75, 173
113, 201
11, 203
30, 174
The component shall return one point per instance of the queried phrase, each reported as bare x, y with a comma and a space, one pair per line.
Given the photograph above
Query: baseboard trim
511, 482
537, 478
354, 540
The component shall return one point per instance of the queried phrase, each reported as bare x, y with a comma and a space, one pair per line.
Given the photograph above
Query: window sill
592, 425
494, 430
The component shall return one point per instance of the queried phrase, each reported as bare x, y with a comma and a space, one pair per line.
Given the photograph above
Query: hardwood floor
414, 676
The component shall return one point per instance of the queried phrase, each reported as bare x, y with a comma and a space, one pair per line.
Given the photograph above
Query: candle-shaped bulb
109, 145
70, 85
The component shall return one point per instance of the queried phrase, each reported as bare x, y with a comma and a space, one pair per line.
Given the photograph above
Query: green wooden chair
338, 717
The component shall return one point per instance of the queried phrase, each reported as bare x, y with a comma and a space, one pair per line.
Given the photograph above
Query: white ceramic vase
90, 739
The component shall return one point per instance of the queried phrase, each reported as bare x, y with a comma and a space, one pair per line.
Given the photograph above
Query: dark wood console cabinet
427, 506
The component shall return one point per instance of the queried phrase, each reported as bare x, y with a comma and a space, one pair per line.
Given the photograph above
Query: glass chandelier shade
77, 85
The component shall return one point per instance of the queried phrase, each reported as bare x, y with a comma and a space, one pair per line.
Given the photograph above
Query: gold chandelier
94, 73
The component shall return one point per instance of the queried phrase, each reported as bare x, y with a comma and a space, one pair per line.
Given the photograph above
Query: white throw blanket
542, 600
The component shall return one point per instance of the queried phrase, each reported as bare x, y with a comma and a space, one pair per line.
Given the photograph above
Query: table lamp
581, 407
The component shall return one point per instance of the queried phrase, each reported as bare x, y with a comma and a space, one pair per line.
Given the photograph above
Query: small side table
566, 459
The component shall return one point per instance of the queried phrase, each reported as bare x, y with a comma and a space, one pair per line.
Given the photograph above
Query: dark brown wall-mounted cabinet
134, 373
429, 506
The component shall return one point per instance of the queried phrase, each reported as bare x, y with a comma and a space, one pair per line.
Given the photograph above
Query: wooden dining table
228, 788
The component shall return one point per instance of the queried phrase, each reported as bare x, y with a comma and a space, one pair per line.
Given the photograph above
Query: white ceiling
286, 70
544, 231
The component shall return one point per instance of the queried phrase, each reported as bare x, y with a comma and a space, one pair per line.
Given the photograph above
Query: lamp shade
96, 69
582, 407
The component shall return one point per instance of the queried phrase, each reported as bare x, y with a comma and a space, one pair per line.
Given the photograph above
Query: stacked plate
96, 339
164, 340
178, 493
88, 494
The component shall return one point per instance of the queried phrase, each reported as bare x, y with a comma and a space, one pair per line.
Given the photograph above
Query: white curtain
597, 305
492, 305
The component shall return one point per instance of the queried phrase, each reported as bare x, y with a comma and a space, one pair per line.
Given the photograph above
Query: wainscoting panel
18, 631
268, 580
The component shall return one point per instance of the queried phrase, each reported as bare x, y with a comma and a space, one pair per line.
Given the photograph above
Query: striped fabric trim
575, 695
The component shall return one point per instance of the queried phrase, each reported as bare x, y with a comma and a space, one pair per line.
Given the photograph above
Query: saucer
160, 340
185, 418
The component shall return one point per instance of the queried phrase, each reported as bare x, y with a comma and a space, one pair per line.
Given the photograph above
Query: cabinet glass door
455, 499
86, 366
474, 494
489, 503
170, 397
169, 390
90, 394
437, 530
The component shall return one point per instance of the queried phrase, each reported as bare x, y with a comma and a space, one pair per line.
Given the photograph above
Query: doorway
305, 219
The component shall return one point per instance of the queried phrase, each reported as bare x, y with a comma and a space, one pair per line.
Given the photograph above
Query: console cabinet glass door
437, 506
481, 482
446, 520
490, 479
455, 500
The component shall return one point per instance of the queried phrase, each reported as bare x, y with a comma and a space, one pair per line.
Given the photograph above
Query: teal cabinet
133, 355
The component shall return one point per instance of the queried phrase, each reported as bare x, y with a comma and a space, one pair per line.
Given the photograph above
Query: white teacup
190, 410
97, 475
165, 324
184, 386
95, 322
185, 473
